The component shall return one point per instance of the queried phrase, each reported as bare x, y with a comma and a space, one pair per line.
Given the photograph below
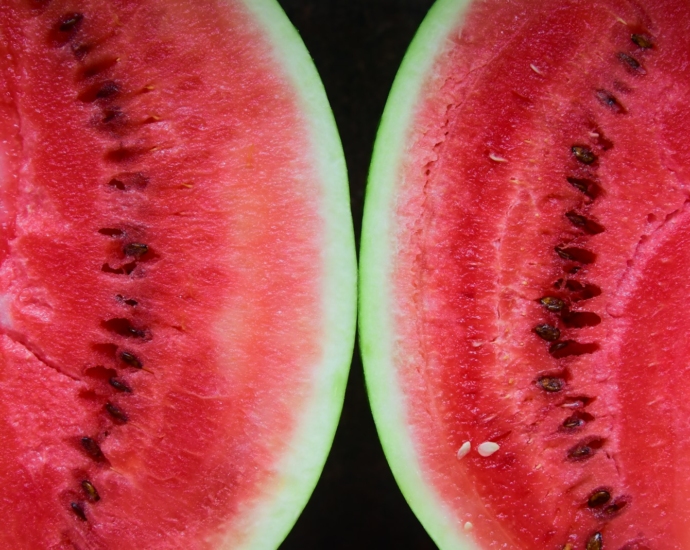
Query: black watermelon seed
548, 332
595, 542
131, 359
78, 510
583, 154
136, 250
609, 100
585, 449
70, 22
90, 490
643, 41
587, 225
598, 498
552, 303
116, 412
551, 384
573, 421
119, 385
631, 63
92, 448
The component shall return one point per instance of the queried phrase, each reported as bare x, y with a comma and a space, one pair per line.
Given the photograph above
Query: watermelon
525, 250
178, 274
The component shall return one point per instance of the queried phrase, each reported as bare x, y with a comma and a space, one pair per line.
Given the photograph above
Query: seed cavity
92, 448
583, 154
595, 542
131, 360
585, 449
630, 63
125, 269
582, 291
116, 412
567, 348
547, 332
581, 319
90, 491
125, 181
607, 99
615, 508
78, 509
642, 40
553, 304
584, 223
598, 498
551, 384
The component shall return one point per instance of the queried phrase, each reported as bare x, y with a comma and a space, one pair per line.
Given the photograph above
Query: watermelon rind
377, 256
269, 518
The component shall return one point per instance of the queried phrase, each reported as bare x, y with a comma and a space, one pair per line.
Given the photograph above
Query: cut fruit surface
177, 275
524, 256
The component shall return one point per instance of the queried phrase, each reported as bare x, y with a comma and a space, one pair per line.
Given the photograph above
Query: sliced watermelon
524, 256
177, 273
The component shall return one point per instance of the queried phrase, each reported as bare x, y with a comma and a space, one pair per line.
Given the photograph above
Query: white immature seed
469, 526
497, 158
464, 449
488, 448
535, 68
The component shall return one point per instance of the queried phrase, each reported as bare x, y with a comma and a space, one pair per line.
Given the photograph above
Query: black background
357, 46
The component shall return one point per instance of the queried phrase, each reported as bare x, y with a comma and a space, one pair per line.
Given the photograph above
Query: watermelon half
525, 253
177, 274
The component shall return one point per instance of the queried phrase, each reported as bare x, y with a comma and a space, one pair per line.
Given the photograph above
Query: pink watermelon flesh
159, 247
551, 160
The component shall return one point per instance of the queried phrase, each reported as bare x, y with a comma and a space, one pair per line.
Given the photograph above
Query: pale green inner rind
377, 257
272, 516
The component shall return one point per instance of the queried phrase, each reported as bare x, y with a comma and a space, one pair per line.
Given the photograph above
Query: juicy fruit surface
160, 275
541, 237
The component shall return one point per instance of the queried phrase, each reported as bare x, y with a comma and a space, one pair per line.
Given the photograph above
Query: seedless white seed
464, 449
488, 448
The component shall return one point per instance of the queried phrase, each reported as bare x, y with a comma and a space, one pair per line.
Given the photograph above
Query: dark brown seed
598, 498
108, 89
586, 186
614, 508
552, 303
116, 412
70, 22
548, 332
631, 63
587, 225
583, 154
642, 41
551, 384
573, 421
576, 254
595, 542
92, 448
608, 100
119, 385
136, 250
131, 359
90, 490
585, 449
78, 510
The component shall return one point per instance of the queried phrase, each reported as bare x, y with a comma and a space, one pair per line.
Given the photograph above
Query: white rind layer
377, 258
266, 521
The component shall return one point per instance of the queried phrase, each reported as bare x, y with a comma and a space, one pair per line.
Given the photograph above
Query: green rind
270, 519
377, 258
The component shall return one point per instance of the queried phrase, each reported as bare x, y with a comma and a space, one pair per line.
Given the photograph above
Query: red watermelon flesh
162, 242
541, 245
